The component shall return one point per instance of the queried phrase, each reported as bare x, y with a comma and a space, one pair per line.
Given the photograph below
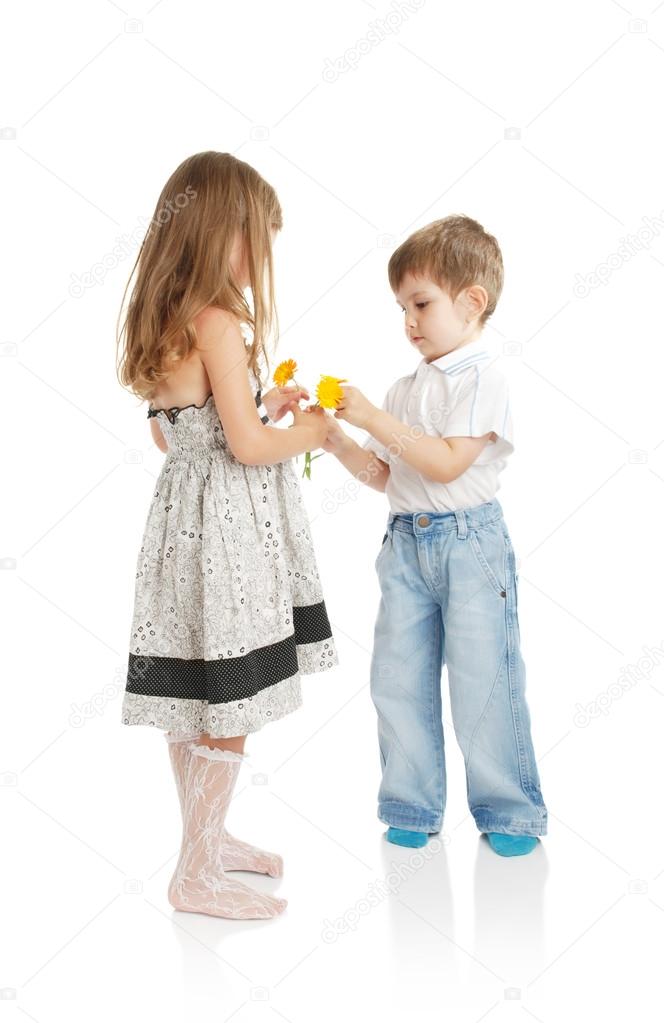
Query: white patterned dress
228, 606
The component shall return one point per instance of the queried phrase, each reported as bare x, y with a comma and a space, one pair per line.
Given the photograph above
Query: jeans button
423, 520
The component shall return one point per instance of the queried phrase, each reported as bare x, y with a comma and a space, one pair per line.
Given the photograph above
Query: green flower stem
308, 457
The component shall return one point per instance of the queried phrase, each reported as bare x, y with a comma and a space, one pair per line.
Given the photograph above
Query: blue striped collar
461, 358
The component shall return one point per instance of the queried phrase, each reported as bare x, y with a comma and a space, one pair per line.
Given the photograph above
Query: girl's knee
234, 742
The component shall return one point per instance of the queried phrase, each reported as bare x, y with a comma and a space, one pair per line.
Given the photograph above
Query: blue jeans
449, 596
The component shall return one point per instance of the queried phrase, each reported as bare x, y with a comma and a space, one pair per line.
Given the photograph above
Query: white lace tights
205, 780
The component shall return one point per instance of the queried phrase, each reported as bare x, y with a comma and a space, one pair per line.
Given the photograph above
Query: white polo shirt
461, 394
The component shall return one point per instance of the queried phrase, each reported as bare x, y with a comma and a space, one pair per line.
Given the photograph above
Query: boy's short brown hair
455, 252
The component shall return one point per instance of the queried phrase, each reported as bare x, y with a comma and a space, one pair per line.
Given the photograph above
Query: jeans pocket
382, 548
491, 550
511, 561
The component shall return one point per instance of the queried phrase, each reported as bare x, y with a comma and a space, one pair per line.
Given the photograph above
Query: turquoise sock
511, 845
413, 839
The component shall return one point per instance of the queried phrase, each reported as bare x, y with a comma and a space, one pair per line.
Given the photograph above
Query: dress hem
219, 721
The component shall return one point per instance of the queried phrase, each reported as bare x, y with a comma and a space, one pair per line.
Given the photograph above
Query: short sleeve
483, 406
371, 444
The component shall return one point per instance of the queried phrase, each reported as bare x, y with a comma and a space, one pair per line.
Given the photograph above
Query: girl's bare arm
221, 348
157, 435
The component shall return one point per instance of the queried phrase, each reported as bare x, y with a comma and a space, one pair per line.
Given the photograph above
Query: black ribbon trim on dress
230, 678
171, 413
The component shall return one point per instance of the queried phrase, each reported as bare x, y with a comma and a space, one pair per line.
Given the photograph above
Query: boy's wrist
344, 443
369, 422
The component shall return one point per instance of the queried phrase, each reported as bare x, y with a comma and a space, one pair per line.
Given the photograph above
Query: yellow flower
329, 392
284, 372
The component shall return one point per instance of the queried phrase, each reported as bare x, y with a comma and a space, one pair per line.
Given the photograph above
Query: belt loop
462, 525
389, 527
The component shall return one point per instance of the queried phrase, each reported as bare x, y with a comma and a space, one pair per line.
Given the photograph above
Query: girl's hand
354, 407
336, 438
280, 400
315, 418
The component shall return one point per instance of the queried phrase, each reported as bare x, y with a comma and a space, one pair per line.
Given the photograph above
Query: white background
543, 121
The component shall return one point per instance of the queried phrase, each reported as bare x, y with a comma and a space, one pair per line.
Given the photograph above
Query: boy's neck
462, 344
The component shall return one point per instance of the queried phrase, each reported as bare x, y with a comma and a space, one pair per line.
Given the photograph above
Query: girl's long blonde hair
184, 265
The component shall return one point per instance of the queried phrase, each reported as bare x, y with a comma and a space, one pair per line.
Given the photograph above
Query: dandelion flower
284, 372
329, 391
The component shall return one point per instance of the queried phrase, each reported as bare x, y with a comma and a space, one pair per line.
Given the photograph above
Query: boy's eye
418, 305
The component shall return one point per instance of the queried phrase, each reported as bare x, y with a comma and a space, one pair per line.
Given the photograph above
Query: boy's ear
475, 299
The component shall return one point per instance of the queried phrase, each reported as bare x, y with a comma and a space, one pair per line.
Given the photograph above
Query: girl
228, 606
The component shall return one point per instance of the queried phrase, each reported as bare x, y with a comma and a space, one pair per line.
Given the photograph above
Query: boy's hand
280, 400
354, 407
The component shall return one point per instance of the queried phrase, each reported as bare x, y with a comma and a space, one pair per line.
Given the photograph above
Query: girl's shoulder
214, 315
212, 323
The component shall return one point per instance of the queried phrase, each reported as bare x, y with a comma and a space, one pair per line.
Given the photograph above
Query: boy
446, 565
